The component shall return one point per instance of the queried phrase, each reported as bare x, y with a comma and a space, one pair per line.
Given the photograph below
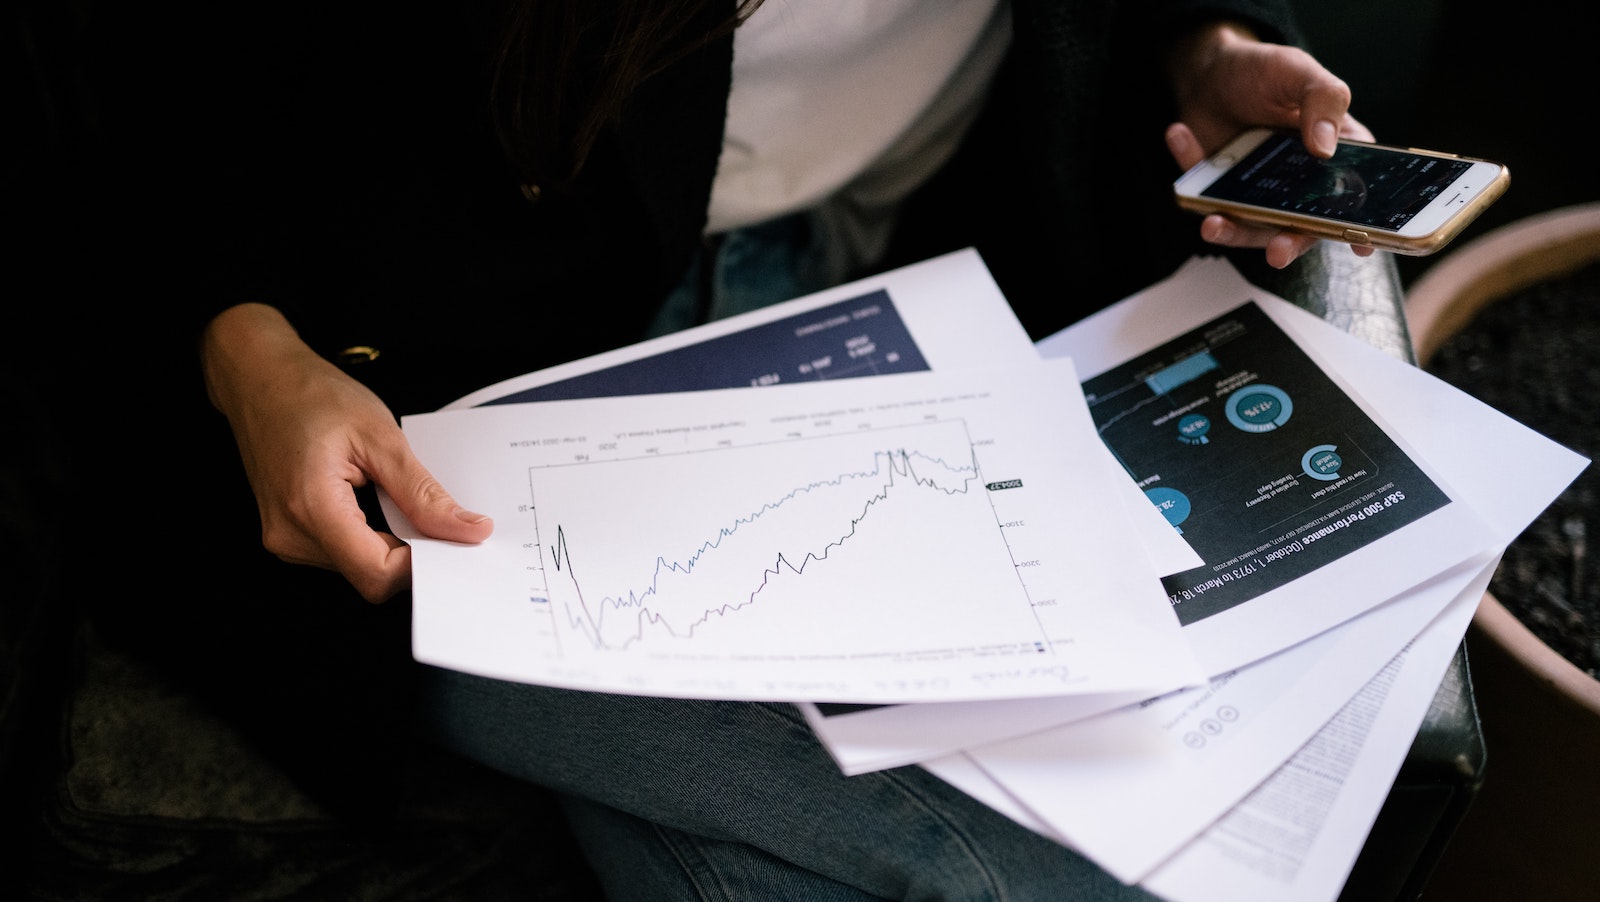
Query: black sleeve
339, 162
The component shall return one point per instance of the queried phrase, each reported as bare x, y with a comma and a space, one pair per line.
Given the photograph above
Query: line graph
810, 540
915, 536
892, 470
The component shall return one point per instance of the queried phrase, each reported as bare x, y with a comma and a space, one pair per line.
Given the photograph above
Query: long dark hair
564, 69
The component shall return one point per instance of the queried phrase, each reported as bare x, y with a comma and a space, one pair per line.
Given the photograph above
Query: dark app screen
1360, 185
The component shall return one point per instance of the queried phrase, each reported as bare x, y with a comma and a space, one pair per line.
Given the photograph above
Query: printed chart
906, 537
804, 538
1254, 454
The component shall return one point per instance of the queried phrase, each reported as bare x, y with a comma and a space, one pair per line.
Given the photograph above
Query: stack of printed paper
1174, 587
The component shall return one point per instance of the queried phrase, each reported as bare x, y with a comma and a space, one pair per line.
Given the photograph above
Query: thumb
431, 509
1184, 146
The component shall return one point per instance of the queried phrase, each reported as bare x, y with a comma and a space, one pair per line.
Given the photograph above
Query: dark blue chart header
862, 336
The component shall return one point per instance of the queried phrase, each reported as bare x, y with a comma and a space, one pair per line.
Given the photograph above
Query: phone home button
1356, 236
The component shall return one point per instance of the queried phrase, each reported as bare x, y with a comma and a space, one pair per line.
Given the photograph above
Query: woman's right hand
309, 436
1225, 81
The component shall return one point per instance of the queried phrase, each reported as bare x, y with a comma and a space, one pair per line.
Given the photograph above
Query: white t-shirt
854, 102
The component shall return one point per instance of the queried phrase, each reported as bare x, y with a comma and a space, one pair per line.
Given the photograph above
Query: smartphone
1401, 199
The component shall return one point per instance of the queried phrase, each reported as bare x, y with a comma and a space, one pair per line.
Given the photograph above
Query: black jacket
340, 163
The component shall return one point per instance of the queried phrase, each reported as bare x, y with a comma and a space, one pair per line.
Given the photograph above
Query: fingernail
466, 516
1326, 134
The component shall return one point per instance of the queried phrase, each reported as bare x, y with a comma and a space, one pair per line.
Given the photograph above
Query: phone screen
1361, 185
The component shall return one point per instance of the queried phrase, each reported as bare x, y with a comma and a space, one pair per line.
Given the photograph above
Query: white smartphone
1402, 199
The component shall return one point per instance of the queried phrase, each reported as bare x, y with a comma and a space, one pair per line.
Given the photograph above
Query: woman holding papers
385, 214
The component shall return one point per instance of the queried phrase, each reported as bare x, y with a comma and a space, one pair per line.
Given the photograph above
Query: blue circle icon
1322, 462
1173, 504
1259, 408
1192, 429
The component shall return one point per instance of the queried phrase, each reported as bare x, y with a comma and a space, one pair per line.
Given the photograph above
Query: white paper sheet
901, 538
897, 622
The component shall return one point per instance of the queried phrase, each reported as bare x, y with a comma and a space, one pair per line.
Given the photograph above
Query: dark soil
1535, 356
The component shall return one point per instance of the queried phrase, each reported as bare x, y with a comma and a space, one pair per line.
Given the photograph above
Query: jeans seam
704, 878
906, 789
966, 844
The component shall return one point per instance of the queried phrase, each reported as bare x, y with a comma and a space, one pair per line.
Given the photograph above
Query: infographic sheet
1267, 468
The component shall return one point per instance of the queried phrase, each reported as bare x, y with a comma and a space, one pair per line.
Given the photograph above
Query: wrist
242, 345
1196, 50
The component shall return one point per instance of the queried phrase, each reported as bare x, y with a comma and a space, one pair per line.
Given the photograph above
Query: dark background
1513, 82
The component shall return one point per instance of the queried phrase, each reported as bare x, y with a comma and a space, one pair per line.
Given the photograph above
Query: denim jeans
747, 269
677, 799
714, 800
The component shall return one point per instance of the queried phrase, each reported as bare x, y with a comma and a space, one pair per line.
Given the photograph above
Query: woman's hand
309, 436
1226, 81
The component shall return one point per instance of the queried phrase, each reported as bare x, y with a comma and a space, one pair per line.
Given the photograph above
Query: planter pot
1534, 830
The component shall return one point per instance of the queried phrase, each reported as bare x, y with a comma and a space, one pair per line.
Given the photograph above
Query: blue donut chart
1173, 504
1192, 429
1259, 408
1322, 462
